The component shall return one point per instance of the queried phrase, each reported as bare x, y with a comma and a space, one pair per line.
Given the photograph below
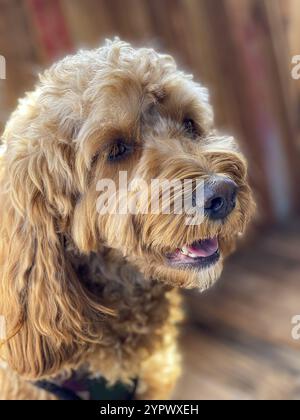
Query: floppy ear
50, 317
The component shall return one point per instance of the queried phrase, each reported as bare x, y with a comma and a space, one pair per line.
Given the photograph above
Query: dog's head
149, 131
128, 118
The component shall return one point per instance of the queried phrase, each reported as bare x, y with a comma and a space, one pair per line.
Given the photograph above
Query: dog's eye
190, 127
119, 151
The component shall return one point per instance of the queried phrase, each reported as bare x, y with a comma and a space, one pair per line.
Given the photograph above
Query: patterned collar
80, 386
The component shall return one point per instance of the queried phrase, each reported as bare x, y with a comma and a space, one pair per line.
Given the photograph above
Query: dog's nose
219, 197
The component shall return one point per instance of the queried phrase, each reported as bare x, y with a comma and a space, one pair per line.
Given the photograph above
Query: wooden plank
89, 22
50, 28
222, 368
17, 46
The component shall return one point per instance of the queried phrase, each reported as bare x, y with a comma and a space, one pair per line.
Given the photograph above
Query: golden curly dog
86, 290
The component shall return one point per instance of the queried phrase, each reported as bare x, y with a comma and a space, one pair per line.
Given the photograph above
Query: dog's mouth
201, 254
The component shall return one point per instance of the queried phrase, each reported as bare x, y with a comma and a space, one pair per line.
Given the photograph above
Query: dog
98, 294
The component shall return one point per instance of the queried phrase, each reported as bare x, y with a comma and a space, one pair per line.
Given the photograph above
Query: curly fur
82, 289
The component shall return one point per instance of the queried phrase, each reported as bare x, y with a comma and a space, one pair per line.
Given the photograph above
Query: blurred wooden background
238, 343
240, 49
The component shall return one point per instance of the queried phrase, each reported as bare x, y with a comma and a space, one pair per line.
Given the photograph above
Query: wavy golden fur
78, 288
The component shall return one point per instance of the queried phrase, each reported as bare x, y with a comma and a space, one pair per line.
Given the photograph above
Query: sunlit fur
78, 288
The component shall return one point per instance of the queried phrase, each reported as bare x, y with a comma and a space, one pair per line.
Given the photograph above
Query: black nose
219, 197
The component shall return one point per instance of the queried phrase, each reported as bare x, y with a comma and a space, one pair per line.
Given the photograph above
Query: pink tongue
204, 248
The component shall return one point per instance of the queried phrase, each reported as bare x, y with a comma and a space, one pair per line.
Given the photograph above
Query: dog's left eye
190, 127
119, 151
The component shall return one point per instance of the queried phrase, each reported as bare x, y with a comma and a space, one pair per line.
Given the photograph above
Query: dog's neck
107, 266
108, 274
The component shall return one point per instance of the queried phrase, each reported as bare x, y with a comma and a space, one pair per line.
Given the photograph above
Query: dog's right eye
190, 127
119, 151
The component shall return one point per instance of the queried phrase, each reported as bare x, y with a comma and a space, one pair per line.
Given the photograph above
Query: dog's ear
50, 318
